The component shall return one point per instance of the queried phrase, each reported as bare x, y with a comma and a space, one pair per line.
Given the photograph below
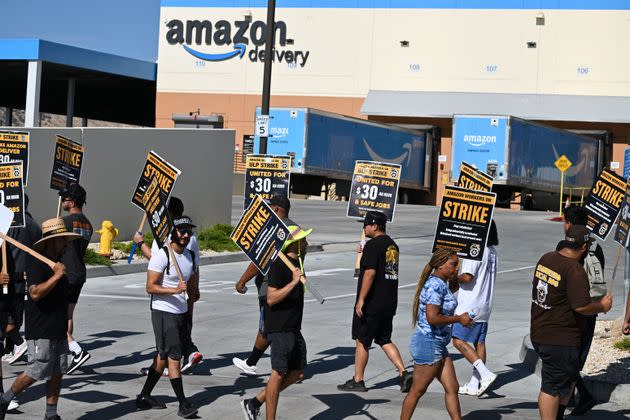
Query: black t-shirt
27, 235
260, 280
6, 301
380, 254
286, 315
48, 317
75, 252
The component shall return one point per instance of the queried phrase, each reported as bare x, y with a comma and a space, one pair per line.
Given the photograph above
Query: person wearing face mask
433, 313
560, 304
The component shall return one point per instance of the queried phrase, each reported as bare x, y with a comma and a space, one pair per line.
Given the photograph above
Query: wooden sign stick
308, 284
59, 208
357, 264
614, 275
135, 245
5, 270
24, 248
177, 269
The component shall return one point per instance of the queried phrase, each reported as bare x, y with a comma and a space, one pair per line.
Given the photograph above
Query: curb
602, 391
121, 269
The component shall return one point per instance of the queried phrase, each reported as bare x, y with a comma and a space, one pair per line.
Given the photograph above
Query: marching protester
593, 262
72, 201
192, 356
560, 303
168, 314
280, 205
376, 302
8, 282
476, 289
283, 311
432, 315
46, 319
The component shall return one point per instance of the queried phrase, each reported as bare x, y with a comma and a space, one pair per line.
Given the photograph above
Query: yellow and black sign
260, 233
374, 187
154, 204
471, 178
464, 222
563, 163
14, 148
155, 167
623, 226
67, 163
266, 175
604, 203
12, 190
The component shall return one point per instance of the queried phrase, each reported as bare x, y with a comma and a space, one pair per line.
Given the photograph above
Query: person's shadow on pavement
346, 405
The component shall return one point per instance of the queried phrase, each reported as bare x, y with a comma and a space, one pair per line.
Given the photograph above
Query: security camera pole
269, 43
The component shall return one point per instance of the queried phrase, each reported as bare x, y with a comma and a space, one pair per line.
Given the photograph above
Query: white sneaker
13, 404
484, 384
244, 367
7, 357
464, 390
18, 352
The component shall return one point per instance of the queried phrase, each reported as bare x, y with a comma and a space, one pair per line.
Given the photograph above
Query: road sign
563, 163
262, 125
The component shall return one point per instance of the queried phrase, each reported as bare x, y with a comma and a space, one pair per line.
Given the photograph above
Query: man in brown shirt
560, 300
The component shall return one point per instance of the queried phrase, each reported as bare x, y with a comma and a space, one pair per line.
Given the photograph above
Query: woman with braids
433, 309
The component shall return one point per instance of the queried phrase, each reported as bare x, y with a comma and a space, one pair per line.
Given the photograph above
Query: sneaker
186, 410
7, 357
55, 417
250, 412
352, 386
406, 380
18, 352
464, 390
193, 360
244, 367
144, 402
14, 404
583, 407
78, 360
484, 384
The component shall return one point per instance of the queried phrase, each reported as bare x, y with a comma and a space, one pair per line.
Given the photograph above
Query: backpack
593, 268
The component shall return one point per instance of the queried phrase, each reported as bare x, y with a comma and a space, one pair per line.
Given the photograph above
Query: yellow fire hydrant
108, 232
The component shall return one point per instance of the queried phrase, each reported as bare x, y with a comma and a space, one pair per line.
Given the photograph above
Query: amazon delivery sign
241, 39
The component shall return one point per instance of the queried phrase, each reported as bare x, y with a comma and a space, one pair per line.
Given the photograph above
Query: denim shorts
476, 333
426, 350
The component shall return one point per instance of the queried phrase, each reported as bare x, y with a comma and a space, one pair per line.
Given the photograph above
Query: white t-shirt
477, 295
193, 245
175, 304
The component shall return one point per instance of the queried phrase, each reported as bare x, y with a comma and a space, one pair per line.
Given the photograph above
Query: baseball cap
281, 201
576, 236
182, 222
75, 192
374, 218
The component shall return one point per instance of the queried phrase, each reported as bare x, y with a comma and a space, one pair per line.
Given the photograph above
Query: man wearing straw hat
46, 319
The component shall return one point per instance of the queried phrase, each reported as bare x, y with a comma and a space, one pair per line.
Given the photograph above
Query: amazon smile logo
195, 36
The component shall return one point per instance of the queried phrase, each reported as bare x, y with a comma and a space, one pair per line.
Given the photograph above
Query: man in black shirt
72, 201
283, 324
46, 319
375, 306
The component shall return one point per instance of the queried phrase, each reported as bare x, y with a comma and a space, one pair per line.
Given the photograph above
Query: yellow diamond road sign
563, 163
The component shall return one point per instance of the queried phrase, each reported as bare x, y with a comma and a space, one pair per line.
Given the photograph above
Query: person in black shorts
375, 305
284, 308
72, 201
560, 301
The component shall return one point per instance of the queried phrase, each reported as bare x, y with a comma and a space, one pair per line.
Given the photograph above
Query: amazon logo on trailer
234, 38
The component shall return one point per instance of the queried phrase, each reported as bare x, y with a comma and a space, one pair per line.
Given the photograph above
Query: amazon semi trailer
521, 156
324, 147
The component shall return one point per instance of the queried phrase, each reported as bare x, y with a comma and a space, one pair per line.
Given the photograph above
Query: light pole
269, 43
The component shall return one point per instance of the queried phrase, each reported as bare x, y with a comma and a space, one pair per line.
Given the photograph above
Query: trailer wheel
403, 198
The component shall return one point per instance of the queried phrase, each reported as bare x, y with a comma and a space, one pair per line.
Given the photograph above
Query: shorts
261, 318
46, 357
377, 328
74, 290
170, 334
288, 351
476, 333
560, 368
426, 350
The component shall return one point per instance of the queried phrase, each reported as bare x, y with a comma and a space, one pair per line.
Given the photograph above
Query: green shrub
92, 258
623, 344
216, 238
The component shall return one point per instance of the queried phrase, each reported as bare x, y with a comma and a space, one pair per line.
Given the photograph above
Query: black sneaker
3, 407
147, 402
186, 410
406, 379
353, 386
78, 360
250, 412
583, 407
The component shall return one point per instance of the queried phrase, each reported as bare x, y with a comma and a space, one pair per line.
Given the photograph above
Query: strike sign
474, 179
604, 202
67, 163
154, 204
464, 222
155, 168
12, 191
14, 148
374, 187
267, 176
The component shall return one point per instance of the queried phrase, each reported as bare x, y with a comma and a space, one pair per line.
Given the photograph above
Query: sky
128, 28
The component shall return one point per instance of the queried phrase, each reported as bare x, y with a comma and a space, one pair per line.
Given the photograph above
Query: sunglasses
183, 232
